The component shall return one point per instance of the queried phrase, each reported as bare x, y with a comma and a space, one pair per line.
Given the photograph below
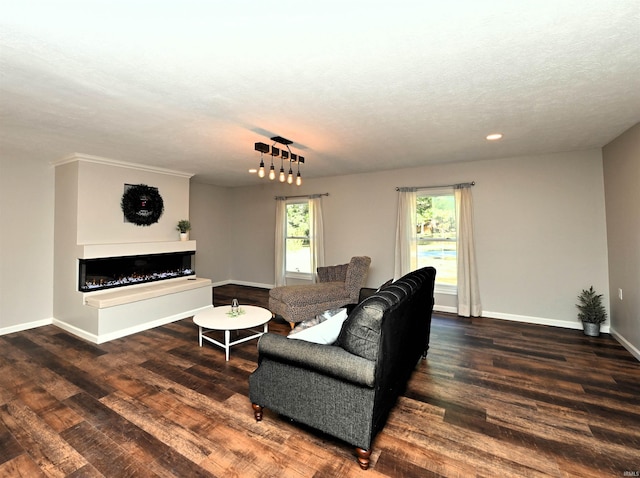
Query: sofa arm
325, 359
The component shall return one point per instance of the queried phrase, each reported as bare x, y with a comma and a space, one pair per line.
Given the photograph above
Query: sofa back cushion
360, 334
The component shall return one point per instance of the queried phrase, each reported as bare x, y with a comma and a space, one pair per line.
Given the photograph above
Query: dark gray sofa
348, 388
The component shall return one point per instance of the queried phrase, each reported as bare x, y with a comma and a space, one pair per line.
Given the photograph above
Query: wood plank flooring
493, 399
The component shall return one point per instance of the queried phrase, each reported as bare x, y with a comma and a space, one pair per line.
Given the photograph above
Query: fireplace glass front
109, 272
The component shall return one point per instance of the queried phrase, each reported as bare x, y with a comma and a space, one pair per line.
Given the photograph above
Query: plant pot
591, 329
184, 236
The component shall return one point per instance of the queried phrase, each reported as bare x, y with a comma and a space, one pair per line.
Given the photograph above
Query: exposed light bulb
282, 177
290, 176
272, 173
261, 170
298, 179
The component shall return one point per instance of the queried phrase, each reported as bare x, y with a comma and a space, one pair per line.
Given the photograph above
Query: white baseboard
626, 344
454, 310
72, 329
27, 326
540, 320
445, 308
523, 318
241, 282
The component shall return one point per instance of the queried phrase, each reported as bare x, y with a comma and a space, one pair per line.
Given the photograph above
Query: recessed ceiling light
253, 170
494, 136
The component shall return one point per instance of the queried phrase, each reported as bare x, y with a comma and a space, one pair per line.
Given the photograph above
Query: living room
550, 217
375, 98
551, 206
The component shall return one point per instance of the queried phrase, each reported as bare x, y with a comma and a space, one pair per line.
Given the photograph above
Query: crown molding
79, 157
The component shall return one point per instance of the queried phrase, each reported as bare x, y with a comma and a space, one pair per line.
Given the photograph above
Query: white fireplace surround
97, 251
89, 225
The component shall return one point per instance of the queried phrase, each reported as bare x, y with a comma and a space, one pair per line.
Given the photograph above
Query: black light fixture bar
281, 140
262, 147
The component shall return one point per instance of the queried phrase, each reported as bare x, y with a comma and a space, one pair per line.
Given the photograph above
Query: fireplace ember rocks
110, 272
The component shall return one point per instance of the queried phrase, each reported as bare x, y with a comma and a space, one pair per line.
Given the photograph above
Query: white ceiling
357, 85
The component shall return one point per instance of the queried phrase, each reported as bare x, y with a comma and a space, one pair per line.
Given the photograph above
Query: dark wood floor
493, 399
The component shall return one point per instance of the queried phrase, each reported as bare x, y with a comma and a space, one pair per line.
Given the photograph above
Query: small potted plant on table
592, 312
184, 226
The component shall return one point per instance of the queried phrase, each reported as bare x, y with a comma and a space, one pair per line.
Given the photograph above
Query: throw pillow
322, 329
361, 333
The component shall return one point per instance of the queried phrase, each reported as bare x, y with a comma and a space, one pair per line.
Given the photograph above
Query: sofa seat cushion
302, 295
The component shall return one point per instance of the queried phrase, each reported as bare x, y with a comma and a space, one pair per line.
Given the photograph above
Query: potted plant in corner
184, 226
592, 312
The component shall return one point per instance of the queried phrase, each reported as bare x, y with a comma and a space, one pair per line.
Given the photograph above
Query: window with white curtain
297, 239
436, 236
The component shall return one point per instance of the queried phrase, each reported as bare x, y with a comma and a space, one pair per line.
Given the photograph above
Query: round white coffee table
217, 318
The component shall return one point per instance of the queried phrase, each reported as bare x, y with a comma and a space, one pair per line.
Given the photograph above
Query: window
297, 243
437, 235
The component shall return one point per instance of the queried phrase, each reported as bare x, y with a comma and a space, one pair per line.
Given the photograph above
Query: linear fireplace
110, 272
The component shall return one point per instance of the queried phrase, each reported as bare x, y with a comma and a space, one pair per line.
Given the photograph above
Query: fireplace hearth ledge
127, 295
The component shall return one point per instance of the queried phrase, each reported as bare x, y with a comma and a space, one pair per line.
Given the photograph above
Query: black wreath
142, 205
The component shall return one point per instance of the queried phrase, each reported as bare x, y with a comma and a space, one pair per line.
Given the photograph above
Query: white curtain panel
406, 257
468, 289
281, 218
316, 234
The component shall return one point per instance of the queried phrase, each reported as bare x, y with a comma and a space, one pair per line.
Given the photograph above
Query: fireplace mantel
97, 251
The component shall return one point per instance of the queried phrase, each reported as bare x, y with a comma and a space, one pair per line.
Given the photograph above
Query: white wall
210, 215
26, 242
540, 228
622, 192
99, 217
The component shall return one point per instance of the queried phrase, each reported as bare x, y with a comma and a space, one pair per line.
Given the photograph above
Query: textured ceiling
357, 85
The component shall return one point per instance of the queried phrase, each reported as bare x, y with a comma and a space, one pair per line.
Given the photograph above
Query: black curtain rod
471, 183
301, 196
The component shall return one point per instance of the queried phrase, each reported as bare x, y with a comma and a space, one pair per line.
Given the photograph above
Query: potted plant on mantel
184, 226
592, 312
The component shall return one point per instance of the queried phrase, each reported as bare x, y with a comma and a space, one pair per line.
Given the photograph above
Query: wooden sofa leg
292, 324
363, 458
257, 412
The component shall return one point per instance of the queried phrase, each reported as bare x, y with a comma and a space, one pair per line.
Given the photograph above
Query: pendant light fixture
275, 152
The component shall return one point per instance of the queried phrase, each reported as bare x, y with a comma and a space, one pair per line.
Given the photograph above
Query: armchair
338, 286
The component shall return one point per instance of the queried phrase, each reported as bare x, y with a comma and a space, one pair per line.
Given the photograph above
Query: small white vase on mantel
184, 236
